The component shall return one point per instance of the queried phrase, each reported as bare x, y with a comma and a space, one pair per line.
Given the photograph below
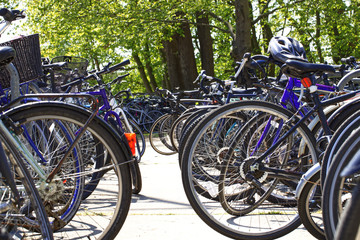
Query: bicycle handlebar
107, 69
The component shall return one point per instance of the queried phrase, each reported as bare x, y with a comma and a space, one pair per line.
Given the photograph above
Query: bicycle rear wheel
103, 213
29, 219
263, 207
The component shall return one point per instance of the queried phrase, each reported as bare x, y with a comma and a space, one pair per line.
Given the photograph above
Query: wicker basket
27, 60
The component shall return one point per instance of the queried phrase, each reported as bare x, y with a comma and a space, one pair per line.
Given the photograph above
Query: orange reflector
306, 82
131, 138
64, 181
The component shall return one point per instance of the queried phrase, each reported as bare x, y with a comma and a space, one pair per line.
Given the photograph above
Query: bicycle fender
305, 178
347, 104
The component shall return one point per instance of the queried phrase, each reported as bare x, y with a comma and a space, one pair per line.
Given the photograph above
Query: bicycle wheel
136, 177
149, 119
175, 132
103, 213
186, 131
264, 199
337, 190
160, 134
350, 81
309, 205
348, 227
47, 140
350, 123
28, 219
255, 137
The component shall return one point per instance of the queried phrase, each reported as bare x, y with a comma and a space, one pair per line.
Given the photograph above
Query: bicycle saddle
301, 69
7, 55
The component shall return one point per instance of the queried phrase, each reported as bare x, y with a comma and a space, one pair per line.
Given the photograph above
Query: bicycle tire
176, 129
136, 177
212, 212
339, 137
32, 227
149, 119
110, 211
348, 227
337, 190
159, 138
344, 81
309, 205
189, 125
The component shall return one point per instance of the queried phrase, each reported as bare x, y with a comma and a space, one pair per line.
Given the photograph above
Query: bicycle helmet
284, 48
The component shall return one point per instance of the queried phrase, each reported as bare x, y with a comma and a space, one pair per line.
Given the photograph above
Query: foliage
112, 30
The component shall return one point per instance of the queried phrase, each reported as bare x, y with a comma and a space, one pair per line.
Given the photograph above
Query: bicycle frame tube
6, 173
23, 150
318, 107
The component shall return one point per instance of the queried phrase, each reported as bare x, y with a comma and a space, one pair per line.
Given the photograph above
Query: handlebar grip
119, 65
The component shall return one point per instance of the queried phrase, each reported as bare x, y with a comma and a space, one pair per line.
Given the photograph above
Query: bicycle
141, 113
58, 169
20, 201
116, 117
275, 132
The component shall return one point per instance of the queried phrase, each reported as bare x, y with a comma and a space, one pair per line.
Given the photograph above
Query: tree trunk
264, 23
206, 43
165, 83
242, 41
317, 37
255, 47
187, 57
173, 63
141, 69
149, 68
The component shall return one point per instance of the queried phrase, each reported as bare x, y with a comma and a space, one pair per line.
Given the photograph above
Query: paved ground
161, 210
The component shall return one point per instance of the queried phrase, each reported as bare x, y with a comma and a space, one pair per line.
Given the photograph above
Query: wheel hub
250, 164
52, 191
